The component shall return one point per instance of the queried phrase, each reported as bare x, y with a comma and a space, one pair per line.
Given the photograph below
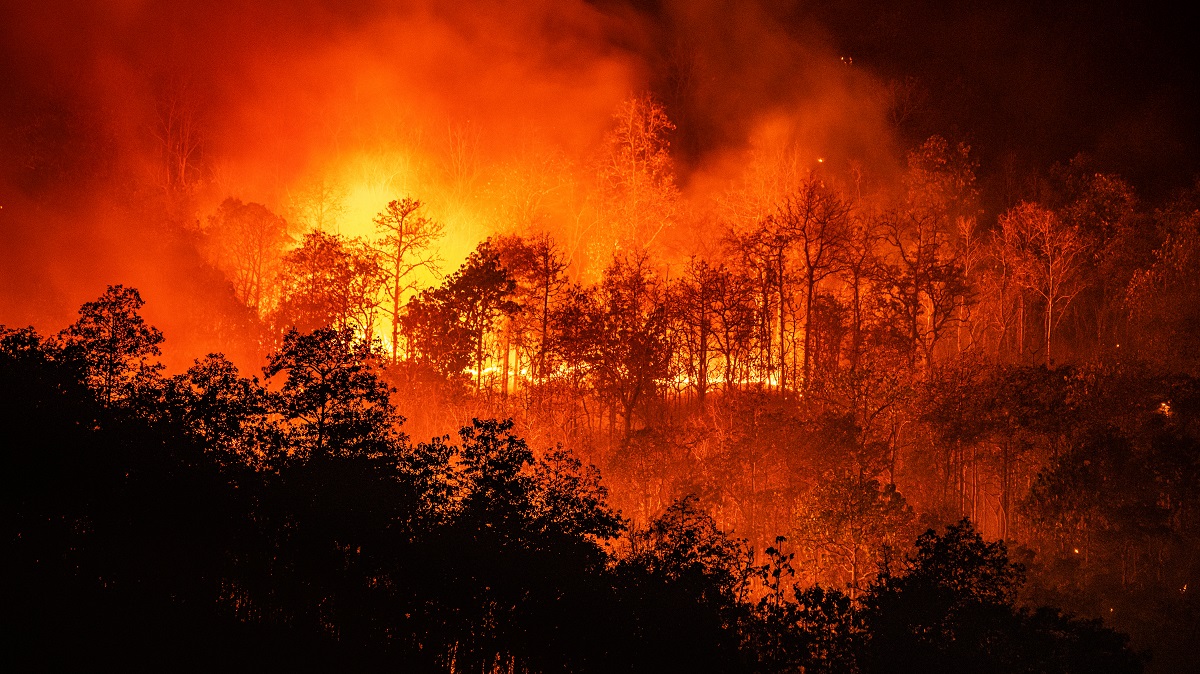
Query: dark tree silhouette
114, 344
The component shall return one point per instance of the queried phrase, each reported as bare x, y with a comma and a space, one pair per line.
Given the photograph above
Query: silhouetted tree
248, 242
329, 282
332, 400
404, 248
113, 343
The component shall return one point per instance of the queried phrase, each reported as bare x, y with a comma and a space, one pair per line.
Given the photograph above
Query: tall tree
1052, 257
404, 248
816, 218
318, 204
696, 309
631, 354
537, 266
926, 277
460, 316
735, 319
858, 265
637, 178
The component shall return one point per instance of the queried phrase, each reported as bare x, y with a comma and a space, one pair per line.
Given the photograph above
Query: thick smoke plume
125, 124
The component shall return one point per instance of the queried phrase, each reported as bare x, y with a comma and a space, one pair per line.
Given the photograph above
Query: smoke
126, 123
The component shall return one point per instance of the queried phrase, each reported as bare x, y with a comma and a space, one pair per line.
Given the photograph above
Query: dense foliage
209, 520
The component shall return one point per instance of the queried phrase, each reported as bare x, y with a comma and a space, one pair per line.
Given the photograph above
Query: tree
318, 204
179, 130
329, 282
249, 240
687, 561
538, 267
226, 412
816, 219
735, 319
696, 309
482, 290
435, 334
404, 248
850, 522
1052, 259
113, 343
631, 354
760, 258
858, 265
1120, 242
636, 176
924, 282
332, 401
1163, 296
460, 316
952, 608
926, 277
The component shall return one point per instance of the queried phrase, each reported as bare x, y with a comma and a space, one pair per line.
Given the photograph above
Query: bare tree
640, 196
404, 247
698, 294
1052, 258
858, 265
178, 128
318, 204
815, 218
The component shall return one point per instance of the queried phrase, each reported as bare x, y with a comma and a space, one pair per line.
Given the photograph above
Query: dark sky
1036, 82
1043, 80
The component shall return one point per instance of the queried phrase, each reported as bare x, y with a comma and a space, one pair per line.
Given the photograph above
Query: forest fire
598, 336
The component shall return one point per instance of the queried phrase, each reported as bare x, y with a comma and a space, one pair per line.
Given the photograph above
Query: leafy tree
925, 276
249, 245
953, 609
688, 562
226, 412
850, 523
630, 355
332, 400
1163, 295
114, 345
538, 267
329, 282
457, 319
436, 336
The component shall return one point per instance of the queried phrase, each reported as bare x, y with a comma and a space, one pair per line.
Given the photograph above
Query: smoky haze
492, 112
424, 99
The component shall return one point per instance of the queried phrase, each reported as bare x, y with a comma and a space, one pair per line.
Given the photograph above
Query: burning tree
631, 354
456, 320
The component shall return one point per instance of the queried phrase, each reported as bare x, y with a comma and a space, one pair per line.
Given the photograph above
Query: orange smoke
494, 116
